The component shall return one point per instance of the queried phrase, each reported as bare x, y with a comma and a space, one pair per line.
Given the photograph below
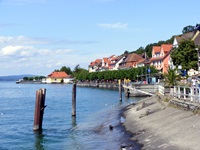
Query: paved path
159, 126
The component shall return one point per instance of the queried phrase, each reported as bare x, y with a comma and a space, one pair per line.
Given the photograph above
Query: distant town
181, 52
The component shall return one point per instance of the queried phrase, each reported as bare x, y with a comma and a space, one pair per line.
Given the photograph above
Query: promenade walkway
158, 126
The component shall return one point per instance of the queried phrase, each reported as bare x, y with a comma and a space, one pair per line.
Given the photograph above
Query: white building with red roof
58, 77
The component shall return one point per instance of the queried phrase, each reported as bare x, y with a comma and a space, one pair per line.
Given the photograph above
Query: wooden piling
120, 90
39, 109
74, 100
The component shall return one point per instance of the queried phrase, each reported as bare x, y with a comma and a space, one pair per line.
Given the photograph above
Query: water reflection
74, 121
39, 141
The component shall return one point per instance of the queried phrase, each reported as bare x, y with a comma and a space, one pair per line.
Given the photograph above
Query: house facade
131, 61
115, 62
125, 61
58, 77
95, 65
161, 57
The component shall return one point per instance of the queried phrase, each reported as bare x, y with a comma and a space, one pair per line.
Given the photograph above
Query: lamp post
198, 60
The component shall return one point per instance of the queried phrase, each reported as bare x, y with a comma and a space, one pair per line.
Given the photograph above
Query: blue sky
39, 36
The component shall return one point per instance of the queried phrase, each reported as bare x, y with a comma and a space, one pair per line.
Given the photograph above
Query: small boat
18, 81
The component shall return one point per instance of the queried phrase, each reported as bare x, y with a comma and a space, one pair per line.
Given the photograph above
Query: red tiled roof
156, 49
166, 47
133, 58
97, 61
141, 61
58, 75
105, 60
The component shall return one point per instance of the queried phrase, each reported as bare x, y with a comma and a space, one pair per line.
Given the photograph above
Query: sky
39, 36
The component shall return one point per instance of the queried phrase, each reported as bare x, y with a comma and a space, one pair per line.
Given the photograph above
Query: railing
186, 93
141, 89
161, 89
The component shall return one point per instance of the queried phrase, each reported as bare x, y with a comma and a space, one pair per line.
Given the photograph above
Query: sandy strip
158, 126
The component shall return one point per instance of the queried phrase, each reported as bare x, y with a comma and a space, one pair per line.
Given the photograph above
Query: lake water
96, 110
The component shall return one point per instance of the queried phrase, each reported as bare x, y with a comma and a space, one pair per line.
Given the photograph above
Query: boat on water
18, 81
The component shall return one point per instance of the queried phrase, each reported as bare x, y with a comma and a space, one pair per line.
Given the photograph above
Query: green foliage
66, 69
126, 52
185, 55
114, 75
190, 28
148, 48
33, 78
25, 78
140, 50
171, 78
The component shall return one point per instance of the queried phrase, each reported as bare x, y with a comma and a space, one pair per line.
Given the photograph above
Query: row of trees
33, 78
132, 74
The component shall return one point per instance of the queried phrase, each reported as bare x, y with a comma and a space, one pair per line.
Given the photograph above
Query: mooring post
74, 100
120, 90
39, 109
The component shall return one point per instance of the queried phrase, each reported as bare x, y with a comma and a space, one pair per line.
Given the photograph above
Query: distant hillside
14, 77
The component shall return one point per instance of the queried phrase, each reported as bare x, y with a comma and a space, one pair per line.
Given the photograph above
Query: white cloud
22, 40
15, 50
23, 2
22, 54
114, 25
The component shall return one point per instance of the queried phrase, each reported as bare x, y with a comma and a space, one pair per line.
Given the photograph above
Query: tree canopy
190, 28
132, 74
185, 55
66, 69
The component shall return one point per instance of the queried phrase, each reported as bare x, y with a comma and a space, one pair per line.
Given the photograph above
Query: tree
126, 52
76, 68
25, 78
80, 73
140, 50
185, 55
171, 78
66, 69
188, 28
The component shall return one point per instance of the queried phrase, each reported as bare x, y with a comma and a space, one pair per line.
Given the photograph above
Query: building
58, 77
95, 65
131, 61
161, 57
115, 62
106, 63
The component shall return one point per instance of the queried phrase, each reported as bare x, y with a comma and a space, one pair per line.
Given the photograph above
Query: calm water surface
96, 110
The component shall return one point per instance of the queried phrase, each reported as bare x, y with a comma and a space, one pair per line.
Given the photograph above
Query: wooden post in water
74, 100
120, 90
39, 109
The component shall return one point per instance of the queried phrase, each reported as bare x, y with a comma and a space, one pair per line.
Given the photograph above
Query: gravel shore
158, 126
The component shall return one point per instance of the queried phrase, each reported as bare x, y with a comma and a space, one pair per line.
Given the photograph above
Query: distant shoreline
29, 82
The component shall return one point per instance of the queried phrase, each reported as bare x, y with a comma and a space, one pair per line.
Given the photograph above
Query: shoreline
156, 125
